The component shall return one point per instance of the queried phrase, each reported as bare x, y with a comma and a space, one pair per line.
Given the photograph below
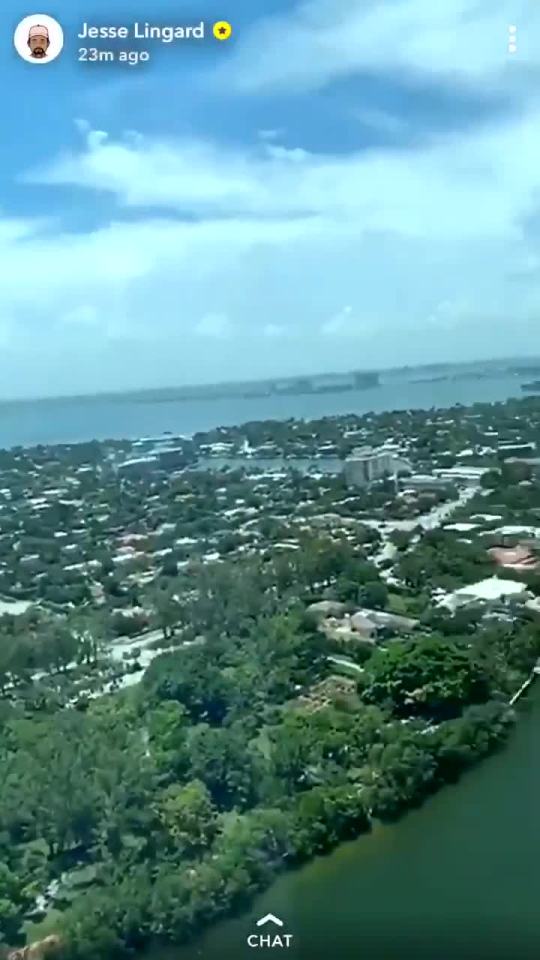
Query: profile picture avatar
38, 38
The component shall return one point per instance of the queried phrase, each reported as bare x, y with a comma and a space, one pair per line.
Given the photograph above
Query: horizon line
138, 391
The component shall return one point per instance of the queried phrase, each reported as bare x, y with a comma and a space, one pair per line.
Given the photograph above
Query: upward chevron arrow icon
269, 918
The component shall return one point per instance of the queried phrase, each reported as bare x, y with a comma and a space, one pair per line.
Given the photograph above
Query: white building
490, 590
470, 476
367, 464
137, 467
424, 481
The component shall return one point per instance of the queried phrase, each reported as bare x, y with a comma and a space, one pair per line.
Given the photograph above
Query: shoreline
286, 867
28, 423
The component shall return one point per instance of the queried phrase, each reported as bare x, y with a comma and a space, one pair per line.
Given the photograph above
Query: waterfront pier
526, 684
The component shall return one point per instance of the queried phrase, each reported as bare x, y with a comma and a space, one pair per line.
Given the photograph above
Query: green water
458, 878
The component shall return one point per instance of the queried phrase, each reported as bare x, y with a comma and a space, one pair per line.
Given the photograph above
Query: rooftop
492, 588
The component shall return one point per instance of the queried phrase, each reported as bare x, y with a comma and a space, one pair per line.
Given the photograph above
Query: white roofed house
492, 591
467, 475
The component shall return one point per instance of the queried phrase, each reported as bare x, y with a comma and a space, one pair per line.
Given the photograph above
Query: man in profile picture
38, 41
38, 38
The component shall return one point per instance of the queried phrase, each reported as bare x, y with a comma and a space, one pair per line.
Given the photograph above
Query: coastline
373, 896
69, 421
351, 833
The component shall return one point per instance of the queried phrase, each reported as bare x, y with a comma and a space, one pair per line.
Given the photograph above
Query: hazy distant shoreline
69, 421
432, 373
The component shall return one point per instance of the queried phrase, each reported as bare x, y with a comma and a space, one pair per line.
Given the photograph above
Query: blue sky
344, 184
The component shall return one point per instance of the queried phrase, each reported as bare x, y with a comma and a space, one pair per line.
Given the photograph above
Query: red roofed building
519, 557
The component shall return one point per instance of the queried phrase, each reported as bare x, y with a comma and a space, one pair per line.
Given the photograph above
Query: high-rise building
368, 464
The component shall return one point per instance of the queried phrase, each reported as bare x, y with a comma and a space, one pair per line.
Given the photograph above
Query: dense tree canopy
430, 676
249, 744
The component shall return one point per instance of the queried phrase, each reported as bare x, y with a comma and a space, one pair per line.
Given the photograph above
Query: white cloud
84, 315
322, 40
460, 185
345, 323
274, 330
259, 246
381, 121
272, 134
216, 326
279, 234
96, 138
82, 125
449, 314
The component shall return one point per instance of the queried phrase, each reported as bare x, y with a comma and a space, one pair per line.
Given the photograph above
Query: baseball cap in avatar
38, 38
39, 30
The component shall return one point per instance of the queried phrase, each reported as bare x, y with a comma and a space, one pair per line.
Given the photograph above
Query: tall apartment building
368, 464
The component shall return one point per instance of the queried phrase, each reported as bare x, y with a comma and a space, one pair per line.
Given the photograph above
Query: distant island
321, 383
533, 386
284, 386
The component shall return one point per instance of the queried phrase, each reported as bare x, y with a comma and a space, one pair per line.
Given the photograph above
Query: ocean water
72, 420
